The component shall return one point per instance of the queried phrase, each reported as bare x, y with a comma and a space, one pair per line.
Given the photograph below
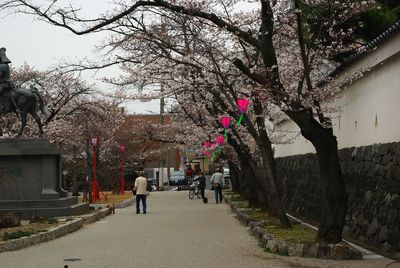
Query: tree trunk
274, 195
334, 196
247, 187
251, 185
254, 193
268, 176
264, 178
333, 189
234, 175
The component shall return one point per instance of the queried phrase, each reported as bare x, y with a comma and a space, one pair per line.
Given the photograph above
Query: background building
368, 136
368, 108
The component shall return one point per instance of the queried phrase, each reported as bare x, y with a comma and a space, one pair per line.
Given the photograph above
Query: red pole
94, 184
122, 150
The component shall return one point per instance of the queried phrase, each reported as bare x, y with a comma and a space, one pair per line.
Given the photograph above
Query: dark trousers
143, 198
202, 191
218, 194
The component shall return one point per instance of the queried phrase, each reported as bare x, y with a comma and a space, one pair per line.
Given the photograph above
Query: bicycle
194, 190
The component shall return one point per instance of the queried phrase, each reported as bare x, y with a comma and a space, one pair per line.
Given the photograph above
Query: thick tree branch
156, 3
305, 59
259, 78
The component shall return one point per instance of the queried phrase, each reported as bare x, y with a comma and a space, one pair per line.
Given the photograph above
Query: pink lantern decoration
220, 139
226, 121
243, 105
207, 153
214, 146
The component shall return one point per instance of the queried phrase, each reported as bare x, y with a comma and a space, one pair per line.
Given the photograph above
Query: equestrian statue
18, 100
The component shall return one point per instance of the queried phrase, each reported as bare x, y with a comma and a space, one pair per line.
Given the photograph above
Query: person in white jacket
216, 182
141, 192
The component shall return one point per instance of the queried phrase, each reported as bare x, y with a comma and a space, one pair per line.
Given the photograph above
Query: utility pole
161, 172
168, 161
88, 179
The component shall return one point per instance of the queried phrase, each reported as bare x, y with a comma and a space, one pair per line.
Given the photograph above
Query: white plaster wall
294, 142
369, 108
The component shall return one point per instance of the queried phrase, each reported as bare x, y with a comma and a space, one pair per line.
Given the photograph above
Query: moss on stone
259, 215
228, 192
52, 220
264, 217
243, 204
298, 233
237, 198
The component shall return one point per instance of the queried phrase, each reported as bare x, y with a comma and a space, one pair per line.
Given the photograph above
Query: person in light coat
217, 182
141, 192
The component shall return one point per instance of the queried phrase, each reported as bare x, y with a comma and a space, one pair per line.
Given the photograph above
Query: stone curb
52, 234
340, 251
27, 241
126, 203
96, 216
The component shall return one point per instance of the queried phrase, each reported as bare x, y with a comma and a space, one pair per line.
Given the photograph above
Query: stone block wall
372, 176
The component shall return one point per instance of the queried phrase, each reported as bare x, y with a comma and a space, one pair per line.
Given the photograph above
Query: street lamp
94, 142
122, 148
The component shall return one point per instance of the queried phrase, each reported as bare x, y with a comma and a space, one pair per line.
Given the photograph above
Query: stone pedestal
30, 180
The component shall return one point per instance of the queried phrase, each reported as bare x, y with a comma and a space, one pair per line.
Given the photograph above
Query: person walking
216, 182
202, 183
141, 192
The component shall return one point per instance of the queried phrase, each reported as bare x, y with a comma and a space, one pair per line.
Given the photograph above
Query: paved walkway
176, 232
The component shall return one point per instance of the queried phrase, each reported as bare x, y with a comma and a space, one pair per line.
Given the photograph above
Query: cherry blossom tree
284, 62
97, 116
200, 86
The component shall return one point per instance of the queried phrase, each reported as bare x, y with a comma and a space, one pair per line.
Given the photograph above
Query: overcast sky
42, 45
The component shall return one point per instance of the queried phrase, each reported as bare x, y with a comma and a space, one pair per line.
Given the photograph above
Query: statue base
30, 180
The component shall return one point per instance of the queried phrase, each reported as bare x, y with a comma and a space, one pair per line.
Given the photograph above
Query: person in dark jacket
202, 183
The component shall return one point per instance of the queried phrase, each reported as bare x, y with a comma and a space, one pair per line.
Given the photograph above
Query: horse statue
26, 102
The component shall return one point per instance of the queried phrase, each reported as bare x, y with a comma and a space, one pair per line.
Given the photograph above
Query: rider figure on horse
5, 83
